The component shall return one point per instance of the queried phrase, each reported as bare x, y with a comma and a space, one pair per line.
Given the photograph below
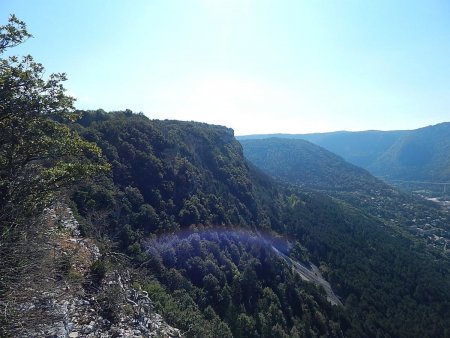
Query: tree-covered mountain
187, 179
175, 188
360, 148
305, 164
420, 155
408, 155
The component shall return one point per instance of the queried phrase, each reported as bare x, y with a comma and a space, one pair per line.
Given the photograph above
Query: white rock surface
76, 311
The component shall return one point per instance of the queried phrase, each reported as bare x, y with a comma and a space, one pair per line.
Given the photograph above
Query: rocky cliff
60, 297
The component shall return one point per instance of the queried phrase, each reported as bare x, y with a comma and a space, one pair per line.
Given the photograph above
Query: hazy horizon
343, 131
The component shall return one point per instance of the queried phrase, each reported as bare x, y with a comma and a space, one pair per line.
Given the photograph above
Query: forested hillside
176, 186
360, 148
420, 155
196, 178
304, 164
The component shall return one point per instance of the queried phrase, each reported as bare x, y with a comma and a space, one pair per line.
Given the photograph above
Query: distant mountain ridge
357, 147
303, 163
420, 154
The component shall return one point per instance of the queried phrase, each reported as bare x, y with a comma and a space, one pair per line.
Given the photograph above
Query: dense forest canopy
314, 167
304, 164
348, 245
360, 148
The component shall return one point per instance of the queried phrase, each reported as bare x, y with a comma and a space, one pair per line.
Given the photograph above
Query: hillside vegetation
304, 164
413, 156
360, 148
420, 155
196, 177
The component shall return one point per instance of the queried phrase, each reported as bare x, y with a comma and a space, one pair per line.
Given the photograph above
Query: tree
245, 326
13, 33
39, 154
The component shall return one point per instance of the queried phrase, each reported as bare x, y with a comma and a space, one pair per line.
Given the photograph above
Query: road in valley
313, 276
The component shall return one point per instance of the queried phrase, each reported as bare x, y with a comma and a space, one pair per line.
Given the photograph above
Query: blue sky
256, 66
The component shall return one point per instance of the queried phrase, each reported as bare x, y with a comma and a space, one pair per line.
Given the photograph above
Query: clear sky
256, 66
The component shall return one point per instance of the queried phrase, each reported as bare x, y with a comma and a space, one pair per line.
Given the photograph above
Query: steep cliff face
173, 177
58, 297
169, 177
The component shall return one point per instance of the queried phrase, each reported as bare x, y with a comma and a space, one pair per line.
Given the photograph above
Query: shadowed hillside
171, 175
395, 156
360, 148
420, 155
304, 164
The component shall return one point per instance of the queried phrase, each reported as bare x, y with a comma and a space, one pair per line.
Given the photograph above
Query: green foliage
13, 33
38, 152
171, 176
420, 155
375, 269
237, 282
186, 173
303, 163
174, 190
306, 165
190, 175
360, 148
39, 155
300, 253
400, 157
98, 270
